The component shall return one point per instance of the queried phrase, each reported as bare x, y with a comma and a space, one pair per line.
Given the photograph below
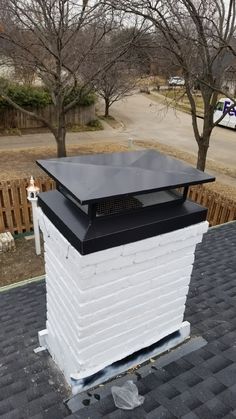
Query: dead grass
227, 190
94, 125
20, 163
179, 97
152, 81
20, 264
176, 100
111, 121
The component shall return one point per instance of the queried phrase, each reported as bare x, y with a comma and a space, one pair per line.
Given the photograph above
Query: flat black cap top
92, 178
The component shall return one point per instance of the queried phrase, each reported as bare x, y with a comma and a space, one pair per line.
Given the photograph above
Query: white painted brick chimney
106, 305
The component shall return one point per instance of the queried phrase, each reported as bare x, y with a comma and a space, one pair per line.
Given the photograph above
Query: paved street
146, 119
143, 119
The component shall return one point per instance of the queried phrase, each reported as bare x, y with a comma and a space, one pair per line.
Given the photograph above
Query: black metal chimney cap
95, 177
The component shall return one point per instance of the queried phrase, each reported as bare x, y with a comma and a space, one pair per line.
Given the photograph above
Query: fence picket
232, 215
7, 208
26, 207
12, 118
16, 206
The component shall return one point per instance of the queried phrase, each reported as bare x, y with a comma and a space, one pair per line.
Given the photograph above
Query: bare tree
197, 37
118, 82
57, 40
121, 78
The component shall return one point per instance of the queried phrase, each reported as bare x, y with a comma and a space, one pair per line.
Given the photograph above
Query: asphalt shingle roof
201, 384
28, 381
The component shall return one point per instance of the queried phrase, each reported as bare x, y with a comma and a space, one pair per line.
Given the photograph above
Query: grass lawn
177, 98
94, 125
151, 81
111, 121
226, 190
20, 163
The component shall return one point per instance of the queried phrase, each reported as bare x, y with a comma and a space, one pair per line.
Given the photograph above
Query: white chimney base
81, 384
104, 306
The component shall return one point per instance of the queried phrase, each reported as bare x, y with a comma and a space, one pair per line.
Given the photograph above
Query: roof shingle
201, 384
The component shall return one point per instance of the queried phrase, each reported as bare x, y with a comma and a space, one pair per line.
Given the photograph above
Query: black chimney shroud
105, 200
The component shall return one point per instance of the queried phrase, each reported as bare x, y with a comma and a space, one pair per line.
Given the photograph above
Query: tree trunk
61, 141
61, 132
61, 146
107, 107
202, 155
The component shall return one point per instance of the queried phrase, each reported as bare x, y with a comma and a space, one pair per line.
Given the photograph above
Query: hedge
39, 97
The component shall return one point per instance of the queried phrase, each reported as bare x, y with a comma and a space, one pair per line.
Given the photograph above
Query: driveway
143, 119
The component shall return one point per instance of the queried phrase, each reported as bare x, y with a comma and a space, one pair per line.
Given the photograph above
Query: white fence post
32, 195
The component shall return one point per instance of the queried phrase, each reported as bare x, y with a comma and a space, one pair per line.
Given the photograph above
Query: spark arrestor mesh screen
117, 205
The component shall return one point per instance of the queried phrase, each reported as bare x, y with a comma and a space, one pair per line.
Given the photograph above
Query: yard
26, 158
227, 190
22, 263
177, 98
180, 100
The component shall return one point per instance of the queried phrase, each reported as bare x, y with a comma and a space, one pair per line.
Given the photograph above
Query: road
143, 119
147, 119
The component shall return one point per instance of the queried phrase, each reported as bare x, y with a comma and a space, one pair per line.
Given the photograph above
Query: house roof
200, 384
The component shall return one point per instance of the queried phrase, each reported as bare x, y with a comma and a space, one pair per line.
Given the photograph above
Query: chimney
120, 238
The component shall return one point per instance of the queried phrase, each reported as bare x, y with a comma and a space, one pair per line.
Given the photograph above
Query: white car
176, 81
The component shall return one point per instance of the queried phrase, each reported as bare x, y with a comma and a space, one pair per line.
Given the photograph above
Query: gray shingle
25, 391
201, 384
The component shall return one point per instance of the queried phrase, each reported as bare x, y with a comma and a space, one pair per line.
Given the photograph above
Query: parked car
176, 81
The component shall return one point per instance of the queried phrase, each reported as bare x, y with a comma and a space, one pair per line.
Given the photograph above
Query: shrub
39, 97
84, 99
96, 124
26, 96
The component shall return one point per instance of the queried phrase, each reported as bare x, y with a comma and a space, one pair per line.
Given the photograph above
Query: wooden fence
16, 217
12, 118
220, 209
15, 210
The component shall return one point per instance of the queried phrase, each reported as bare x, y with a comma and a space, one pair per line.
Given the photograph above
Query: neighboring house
7, 71
193, 384
229, 83
20, 75
228, 66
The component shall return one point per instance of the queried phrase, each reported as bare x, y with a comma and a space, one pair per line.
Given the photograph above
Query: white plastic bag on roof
127, 397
